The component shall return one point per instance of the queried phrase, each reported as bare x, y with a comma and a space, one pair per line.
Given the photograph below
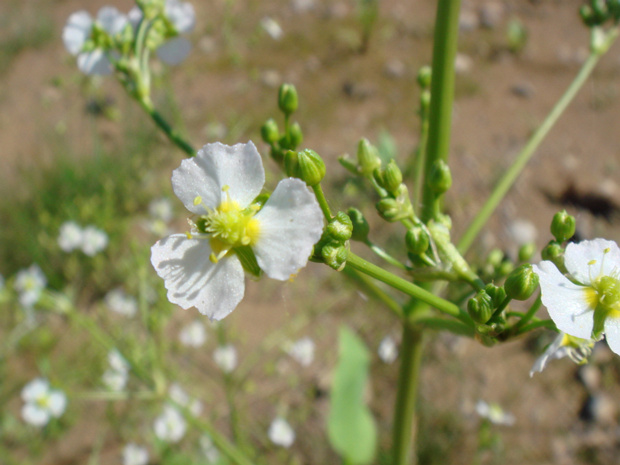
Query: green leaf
350, 425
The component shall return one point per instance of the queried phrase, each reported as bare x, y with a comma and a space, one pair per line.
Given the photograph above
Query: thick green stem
442, 96
170, 132
509, 178
320, 197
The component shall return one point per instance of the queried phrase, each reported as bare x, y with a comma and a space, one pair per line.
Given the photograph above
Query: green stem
442, 96
442, 324
535, 325
371, 288
320, 197
418, 166
509, 178
384, 255
170, 132
529, 315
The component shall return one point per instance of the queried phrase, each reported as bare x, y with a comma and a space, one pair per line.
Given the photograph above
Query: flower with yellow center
220, 185
588, 304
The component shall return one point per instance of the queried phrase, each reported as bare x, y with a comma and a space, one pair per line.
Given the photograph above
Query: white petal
193, 280
577, 257
174, 51
76, 31
35, 389
612, 334
565, 301
217, 165
181, 14
134, 16
94, 62
291, 222
551, 353
35, 415
112, 21
57, 402
281, 433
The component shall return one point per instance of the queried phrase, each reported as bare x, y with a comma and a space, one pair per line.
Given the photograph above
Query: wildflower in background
588, 304
29, 283
90, 40
210, 452
226, 358
134, 454
182, 398
272, 28
203, 269
116, 376
161, 209
118, 301
302, 351
41, 403
193, 335
70, 236
388, 351
281, 433
494, 413
578, 350
94, 240
170, 426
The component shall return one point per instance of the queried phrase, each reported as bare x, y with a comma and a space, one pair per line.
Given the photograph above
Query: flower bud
269, 131
340, 228
480, 307
295, 135
390, 178
287, 98
505, 268
360, 225
425, 100
424, 77
587, 15
335, 256
562, 226
417, 240
440, 178
389, 209
553, 251
495, 258
521, 283
497, 294
367, 158
306, 165
526, 251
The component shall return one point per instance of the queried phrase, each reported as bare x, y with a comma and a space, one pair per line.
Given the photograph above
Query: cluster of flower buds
562, 229
282, 143
598, 12
333, 247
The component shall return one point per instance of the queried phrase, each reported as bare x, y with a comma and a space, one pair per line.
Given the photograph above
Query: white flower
209, 450
388, 350
272, 28
94, 240
170, 426
302, 351
220, 184
116, 376
494, 413
70, 236
281, 433
193, 335
118, 301
578, 350
134, 454
41, 403
79, 30
181, 15
181, 397
588, 304
161, 209
29, 283
226, 358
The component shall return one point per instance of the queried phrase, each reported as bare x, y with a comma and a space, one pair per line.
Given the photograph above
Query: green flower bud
553, 251
306, 165
335, 256
424, 77
495, 258
599, 7
360, 225
480, 307
526, 252
389, 209
521, 283
563, 226
340, 228
497, 294
390, 177
367, 158
287, 98
505, 268
440, 178
587, 15
269, 131
417, 240
295, 135
425, 100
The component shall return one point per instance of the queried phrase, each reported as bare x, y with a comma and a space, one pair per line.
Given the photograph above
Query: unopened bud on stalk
440, 178
340, 228
553, 252
335, 256
497, 294
269, 131
390, 177
360, 225
526, 251
417, 240
480, 307
521, 283
424, 77
563, 226
287, 98
295, 135
306, 165
367, 158
389, 209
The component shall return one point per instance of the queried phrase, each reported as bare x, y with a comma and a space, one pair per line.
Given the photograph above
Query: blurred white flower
181, 15
226, 358
178, 394
281, 433
193, 335
41, 403
70, 236
494, 413
272, 28
170, 426
116, 376
388, 350
212, 455
202, 269
120, 302
302, 351
577, 349
78, 31
161, 209
29, 283
134, 454
94, 240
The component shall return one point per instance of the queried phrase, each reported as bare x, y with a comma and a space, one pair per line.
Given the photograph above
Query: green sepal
248, 260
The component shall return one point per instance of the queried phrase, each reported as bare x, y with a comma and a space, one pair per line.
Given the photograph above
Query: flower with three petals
42, 403
233, 230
